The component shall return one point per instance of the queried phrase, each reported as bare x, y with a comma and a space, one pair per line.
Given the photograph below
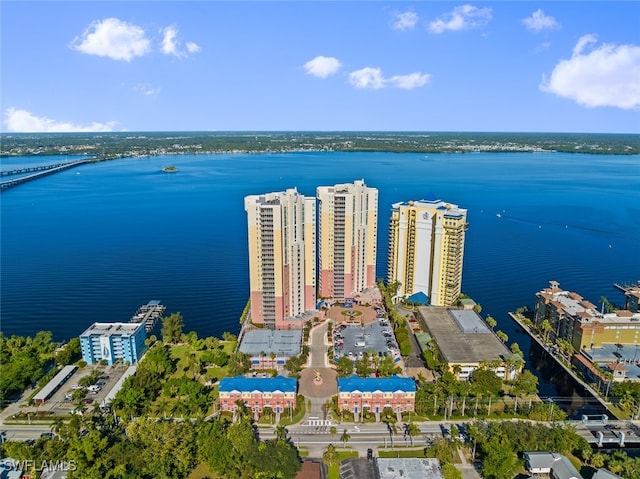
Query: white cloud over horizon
464, 17
23, 121
322, 67
605, 75
538, 21
405, 21
172, 45
113, 38
371, 78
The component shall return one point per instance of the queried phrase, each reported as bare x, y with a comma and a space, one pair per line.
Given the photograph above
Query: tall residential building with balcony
426, 249
282, 257
348, 233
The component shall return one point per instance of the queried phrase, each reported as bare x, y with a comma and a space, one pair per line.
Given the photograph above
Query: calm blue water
95, 242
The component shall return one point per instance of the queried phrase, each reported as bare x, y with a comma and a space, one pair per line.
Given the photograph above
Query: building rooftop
245, 384
284, 343
52, 385
561, 466
409, 468
392, 384
109, 329
451, 209
461, 335
605, 474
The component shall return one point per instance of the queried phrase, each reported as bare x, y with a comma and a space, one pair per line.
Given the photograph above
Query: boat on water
169, 169
498, 215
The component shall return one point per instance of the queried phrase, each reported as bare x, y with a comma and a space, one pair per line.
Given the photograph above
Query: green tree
491, 322
239, 363
500, 461
502, 336
172, 328
330, 456
345, 437
449, 471
345, 366
412, 431
70, 353
546, 329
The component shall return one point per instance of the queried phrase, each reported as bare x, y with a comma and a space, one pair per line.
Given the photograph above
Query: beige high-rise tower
426, 249
348, 219
282, 257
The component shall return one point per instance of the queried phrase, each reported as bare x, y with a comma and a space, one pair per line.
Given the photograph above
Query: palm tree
330, 456
345, 438
281, 433
412, 430
333, 431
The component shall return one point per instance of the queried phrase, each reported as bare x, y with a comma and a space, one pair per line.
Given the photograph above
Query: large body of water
95, 242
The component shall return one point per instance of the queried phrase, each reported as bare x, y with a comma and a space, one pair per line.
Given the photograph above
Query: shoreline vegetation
118, 144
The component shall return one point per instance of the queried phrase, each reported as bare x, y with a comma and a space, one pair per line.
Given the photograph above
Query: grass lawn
334, 469
401, 452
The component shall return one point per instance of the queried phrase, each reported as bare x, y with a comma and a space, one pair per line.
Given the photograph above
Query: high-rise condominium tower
348, 218
426, 248
282, 257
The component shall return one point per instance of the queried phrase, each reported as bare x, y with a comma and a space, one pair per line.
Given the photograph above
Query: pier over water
38, 172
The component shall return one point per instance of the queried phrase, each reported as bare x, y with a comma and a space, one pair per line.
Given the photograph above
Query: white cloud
405, 21
114, 39
147, 89
26, 122
411, 81
606, 75
372, 79
463, 17
172, 45
368, 77
192, 47
538, 21
322, 67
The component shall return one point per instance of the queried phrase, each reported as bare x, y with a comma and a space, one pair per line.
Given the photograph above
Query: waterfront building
465, 343
347, 237
270, 349
632, 298
608, 340
359, 395
426, 250
276, 393
578, 321
113, 342
282, 258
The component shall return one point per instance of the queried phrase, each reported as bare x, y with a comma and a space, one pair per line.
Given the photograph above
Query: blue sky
329, 66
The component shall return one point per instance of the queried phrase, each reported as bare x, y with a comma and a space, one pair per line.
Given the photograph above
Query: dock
149, 314
562, 364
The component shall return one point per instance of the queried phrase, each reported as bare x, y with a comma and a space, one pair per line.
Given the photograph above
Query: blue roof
244, 384
419, 297
392, 384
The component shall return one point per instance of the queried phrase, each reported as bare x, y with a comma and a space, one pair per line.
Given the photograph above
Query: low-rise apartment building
357, 394
256, 393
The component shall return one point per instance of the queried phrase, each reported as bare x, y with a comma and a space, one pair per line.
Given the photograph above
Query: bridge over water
38, 172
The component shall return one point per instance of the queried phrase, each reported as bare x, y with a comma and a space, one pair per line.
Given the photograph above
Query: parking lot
61, 402
353, 340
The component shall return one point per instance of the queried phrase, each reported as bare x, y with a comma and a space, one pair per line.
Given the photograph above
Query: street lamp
550, 408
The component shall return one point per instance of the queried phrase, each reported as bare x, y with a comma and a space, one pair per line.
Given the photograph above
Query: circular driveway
308, 387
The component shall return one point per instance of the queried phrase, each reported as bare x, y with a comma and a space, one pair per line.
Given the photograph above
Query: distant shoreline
118, 144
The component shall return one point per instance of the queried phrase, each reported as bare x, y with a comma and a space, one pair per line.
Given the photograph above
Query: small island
169, 169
